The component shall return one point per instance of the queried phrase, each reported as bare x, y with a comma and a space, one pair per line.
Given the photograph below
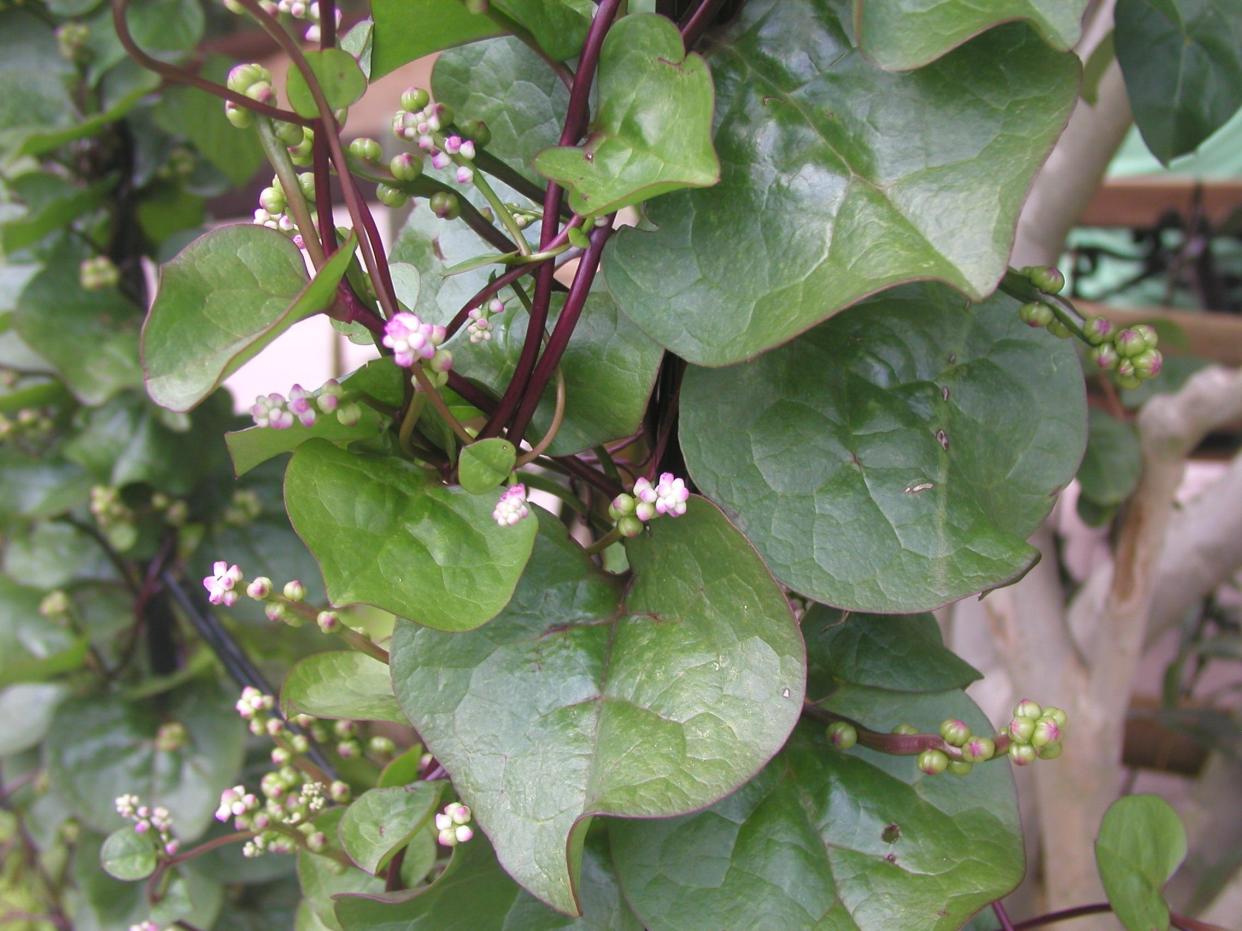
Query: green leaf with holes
903, 34
652, 130
1182, 63
221, 300
823, 839
576, 701
839, 180
387, 533
897, 457
340, 684
339, 77
1140, 845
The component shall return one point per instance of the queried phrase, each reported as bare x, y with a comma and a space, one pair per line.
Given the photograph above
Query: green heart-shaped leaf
474, 893
1140, 845
652, 131
822, 839
221, 300
1113, 461
574, 703
128, 855
904, 34
340, 684
382, 821
485, 464
1182, 61
839, 180
339, 76
386, 533
896, 457
901, 652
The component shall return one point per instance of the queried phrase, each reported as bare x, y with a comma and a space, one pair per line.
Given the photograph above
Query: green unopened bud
933, 762
577, 238
629, 527
381, 746
622, 506
1105, 357
272, 200
1035, 314
414, 99
328, 621
288, 133
954, 732
1130, 342
298, 743
366, 148
476, 130
1047, 278
1147, 364
442, 361
445, 205
316, 841
171, 736
242, 77
302, 154
1049, 751
1027, 709
391, 196
239, 117
1047, 731
349, 414
1097, 330
1147, 334
294, 591
905, 729
959, 767
262, 92
1021, 728
978, 749
1060, 330
306, 181
1056, 714
1021, 754
406, 166
339, 791
842, 735
54, 604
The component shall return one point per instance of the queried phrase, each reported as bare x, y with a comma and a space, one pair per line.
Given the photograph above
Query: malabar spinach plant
701, 378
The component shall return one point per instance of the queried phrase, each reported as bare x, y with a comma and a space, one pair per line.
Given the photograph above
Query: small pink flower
220, 584
511, 507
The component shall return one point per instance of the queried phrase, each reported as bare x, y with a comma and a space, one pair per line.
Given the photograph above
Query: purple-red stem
1181, 922
323, 196
1002, 916
693, 27
565, 323
899, 744
327, 23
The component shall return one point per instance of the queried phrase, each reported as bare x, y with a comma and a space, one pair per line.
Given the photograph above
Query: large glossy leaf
896, 457
386, 533
340, 684
904, 34
32, 648
478, 82
574, 703
409, 29
34, 95
474, 894
822, 839
1140, 845
89, 337
1182, 62
25, 714
322, 877
651, 133
901, 652
840, 180
221, 300
100, 747
33, 487
1113, 461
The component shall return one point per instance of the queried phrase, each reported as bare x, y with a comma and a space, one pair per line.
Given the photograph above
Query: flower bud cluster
180, 164
155, 823
1035, 732
29, 423
243, 509
279, 412
667, 497
71, 39
175, 511
98, 273
147, 925
479, 329
411, 340
255, 82
55, 605
1130, 353
512, 506
453, 825
426, 124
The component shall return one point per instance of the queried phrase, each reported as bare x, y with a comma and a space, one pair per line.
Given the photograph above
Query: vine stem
607, 540
900, 744
558, 417
278, 157
179, 76
576, 115
697, 22
1002, 916
1181, 922
153, 892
